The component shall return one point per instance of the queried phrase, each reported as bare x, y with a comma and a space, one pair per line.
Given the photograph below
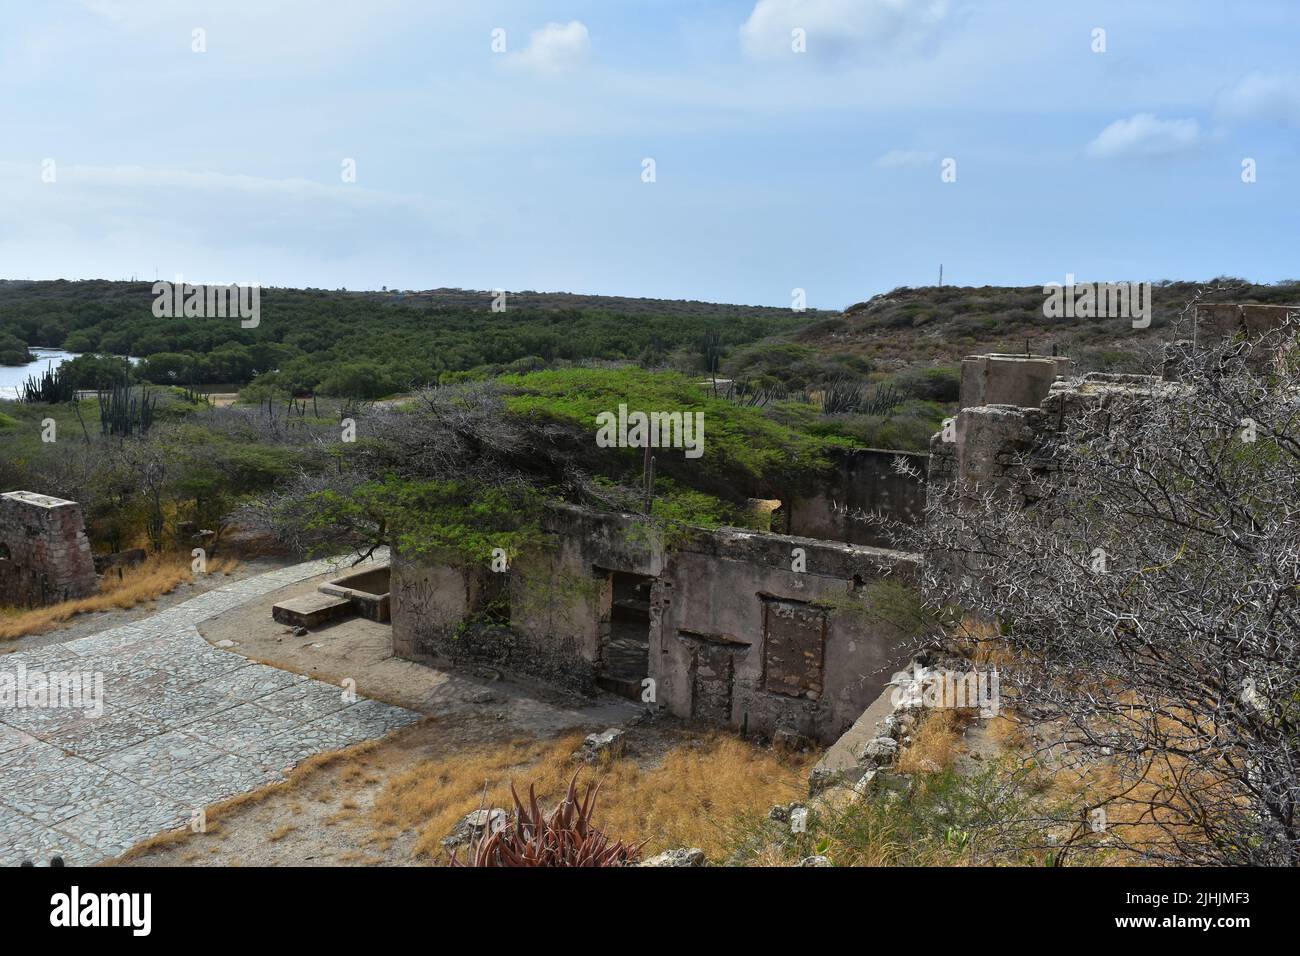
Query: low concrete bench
311, 610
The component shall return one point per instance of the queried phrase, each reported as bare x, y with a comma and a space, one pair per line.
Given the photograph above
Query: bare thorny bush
1143, 569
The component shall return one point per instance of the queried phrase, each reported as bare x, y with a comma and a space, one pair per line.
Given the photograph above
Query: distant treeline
365, 345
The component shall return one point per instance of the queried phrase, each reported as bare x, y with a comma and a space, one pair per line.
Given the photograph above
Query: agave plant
565, 837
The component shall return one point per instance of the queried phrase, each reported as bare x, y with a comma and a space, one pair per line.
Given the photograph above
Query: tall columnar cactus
50, 387
121, 412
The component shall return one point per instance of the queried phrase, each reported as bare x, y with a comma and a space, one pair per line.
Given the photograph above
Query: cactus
121, 413
845, 397
50, 387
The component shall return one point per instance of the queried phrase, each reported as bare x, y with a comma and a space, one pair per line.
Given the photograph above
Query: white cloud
1268, 97
906, 157
838, 29
1145, 135
556, 46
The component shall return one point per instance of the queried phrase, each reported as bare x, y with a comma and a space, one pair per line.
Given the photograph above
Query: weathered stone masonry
44, 553
735, 635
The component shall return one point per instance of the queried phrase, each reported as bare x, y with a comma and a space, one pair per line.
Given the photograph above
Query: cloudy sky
419, 143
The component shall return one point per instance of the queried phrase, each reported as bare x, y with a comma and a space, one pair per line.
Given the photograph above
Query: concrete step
629, 687
311, 610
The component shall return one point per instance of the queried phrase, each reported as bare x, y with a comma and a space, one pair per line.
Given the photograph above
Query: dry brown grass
1150, 811
156, 576
934, 742
281, 832
1007, 732
691, 798
298, 777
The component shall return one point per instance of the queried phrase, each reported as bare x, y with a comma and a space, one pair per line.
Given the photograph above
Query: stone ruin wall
1021, 380
865, 483
735, 636
44, 553
740, 639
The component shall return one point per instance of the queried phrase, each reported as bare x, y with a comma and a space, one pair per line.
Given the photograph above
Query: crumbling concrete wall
449, 612
992, 446
44, 553
741, 638
753, 631
1021, 380
865, 482
428, 601
1226, 319
1005, 448
553, 605
565, 589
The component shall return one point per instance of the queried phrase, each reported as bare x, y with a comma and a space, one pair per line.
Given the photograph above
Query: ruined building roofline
718, 540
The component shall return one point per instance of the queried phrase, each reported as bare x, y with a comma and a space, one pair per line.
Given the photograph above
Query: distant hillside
103, 290
372, 344
933, 326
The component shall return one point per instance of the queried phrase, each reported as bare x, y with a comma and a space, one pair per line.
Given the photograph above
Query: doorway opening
626, 652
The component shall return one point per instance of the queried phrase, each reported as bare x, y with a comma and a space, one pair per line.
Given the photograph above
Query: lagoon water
13, 376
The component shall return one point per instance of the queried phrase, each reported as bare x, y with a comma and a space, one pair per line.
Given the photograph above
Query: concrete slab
311, 610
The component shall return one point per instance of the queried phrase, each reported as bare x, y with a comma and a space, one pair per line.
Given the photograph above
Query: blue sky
774, 169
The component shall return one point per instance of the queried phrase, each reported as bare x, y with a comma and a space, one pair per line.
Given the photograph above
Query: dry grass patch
144, 582
297, 778
934, 742
1007, 732
691, 798
281, 832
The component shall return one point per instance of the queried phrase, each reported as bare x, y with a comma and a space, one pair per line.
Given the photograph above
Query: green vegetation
516, 404
13, 350
745, 450
932, 819
368, 345
460, 521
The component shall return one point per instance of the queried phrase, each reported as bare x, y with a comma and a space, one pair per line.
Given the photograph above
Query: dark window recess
794, 645
5, 553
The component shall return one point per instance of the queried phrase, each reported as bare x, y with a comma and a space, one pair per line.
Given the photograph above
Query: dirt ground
320, 816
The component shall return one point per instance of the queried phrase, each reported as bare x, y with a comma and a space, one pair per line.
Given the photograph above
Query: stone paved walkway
184, 725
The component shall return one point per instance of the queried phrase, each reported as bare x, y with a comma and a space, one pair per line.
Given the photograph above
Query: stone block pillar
44, 553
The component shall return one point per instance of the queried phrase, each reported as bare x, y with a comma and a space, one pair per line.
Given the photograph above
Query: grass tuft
156, 576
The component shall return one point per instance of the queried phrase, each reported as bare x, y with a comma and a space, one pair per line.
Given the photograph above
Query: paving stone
371, 718
107, 641
30, 753
113, 825
60, 788
204, 664
95, 737
41, 722
90, 788
23, 839
178, 707
115, 666
12, 738
216, 780
160, 756
286, 751
252, 682
37, 658
304, 701
240, 728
